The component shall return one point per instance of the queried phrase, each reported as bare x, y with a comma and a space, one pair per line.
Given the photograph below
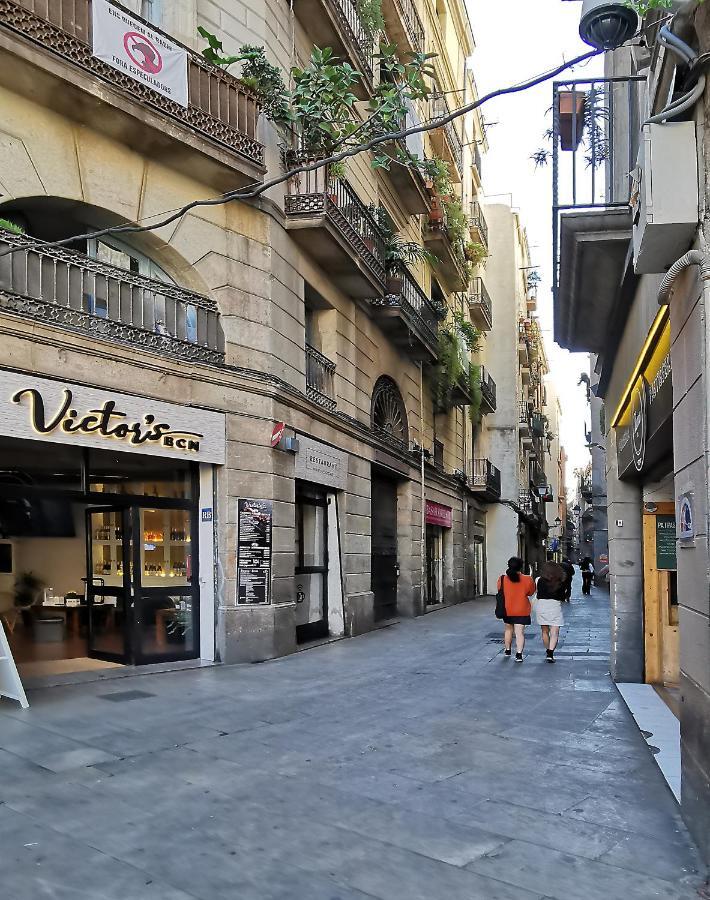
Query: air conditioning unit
664, 196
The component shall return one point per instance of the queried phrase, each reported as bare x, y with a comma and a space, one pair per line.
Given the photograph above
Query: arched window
388, 414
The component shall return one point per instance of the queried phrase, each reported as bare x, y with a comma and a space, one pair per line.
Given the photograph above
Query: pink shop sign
437, 514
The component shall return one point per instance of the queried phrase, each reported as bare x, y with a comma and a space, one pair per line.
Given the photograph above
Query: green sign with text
665, 542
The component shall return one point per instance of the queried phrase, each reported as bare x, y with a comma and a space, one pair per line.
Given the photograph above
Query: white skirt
548, 612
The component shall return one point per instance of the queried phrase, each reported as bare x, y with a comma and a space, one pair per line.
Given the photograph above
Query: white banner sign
146, 55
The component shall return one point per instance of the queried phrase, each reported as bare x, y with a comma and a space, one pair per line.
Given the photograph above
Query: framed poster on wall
254, 518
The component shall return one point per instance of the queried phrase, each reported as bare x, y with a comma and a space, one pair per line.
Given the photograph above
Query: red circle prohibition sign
143, 52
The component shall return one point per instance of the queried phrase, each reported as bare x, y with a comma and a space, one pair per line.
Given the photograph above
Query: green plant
439, 174
399, 252
370, 14
337, 170
10, 226
456, 221
257, 73
475, 253
474, 387
455, 341
27, 590
594, 127
470, 335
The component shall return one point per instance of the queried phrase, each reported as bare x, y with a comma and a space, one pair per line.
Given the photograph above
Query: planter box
572, 105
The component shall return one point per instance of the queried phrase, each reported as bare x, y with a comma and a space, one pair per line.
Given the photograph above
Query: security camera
606, 25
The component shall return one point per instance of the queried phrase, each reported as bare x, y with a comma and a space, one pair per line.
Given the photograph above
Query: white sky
516, 40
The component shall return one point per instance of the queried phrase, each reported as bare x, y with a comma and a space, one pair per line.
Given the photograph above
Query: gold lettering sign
107, 421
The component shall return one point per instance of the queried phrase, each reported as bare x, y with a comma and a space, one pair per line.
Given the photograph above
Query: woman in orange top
517, 590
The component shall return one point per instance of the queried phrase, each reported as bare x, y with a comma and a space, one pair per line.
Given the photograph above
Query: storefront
439, 520
106, 522
321, 473
644, 440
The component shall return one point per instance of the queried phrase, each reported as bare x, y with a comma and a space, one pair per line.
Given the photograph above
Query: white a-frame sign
10, 684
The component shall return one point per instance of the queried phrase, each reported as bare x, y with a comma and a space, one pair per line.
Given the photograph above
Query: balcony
538, 425
478, 225
488, 392
477, 162
449, 263
334, 227
585, 489
445, 139
404, 26
484, 479
45, 41
320, 378
337, 24
480, 307
523, 345
408, 317
72, 291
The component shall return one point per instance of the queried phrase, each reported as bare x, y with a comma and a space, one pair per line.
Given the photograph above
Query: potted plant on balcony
475, 253
571, 108
398, 252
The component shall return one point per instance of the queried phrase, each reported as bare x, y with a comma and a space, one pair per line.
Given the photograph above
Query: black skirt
516, 620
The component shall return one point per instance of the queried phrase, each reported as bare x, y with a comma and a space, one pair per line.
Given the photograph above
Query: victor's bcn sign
106, 420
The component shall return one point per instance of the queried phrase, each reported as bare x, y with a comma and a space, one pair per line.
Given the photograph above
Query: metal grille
488, 389
220, 106
483, 474
596, 127
389, 416
477, 220
318, 194
415, 303
438, 109
347, 14
66, 288
480, 299
320, 378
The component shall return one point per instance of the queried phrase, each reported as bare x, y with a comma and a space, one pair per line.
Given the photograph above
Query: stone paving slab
413, 763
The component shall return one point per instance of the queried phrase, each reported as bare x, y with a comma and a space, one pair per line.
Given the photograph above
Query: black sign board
254, 552
665, 542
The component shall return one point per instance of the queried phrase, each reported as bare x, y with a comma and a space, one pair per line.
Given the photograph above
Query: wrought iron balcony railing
409, 315
480, 306
438, 109
477, 222
348, 15
316, 197
411, 27
64, 288
488, 390
483, 475
524, 414
219, 106
320, 378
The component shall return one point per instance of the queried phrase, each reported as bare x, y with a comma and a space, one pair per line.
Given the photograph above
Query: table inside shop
72, 612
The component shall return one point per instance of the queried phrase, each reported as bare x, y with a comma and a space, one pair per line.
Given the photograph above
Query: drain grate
124, 696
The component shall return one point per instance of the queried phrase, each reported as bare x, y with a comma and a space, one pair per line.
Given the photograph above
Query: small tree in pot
28, 592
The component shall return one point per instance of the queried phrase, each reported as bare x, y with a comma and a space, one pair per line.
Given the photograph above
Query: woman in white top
551, 594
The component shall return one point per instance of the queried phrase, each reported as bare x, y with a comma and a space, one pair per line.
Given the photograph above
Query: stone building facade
341, 495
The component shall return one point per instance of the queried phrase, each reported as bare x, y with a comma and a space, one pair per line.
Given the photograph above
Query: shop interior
97, 558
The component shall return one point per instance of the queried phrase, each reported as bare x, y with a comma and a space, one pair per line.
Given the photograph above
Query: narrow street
415, 762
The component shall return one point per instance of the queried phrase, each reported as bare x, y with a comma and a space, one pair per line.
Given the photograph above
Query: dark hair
515, 567
554, 575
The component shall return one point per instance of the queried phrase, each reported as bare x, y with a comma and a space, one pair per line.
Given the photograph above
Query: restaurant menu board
254, 552
665, 542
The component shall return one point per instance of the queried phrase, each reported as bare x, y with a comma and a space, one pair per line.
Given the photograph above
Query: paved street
414, 763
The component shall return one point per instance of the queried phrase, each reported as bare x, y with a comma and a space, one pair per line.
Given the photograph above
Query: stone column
626, 563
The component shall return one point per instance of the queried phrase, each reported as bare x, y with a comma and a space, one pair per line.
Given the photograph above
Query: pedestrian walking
551, 594
569, 572
517, 589
587, 574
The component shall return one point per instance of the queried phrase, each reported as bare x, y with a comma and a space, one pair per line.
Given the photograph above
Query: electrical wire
252, 192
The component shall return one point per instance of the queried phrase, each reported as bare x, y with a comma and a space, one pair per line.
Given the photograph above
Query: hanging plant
337, 170
456, 222
370, 15
474, 386
448, 370
475, 253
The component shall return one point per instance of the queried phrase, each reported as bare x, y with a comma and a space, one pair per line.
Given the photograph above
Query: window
388, 414
151, 11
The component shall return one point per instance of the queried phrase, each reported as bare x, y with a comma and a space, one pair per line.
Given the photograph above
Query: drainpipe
422, 541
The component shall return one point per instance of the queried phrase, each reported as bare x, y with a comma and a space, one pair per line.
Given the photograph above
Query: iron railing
65, 288
320, 378
348, 15
219, 105
412, 23
477, 220
596, 126
317, 193
477, 159
438, 109
479, 299
415, 303
488, 389
524, 414
483, 474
